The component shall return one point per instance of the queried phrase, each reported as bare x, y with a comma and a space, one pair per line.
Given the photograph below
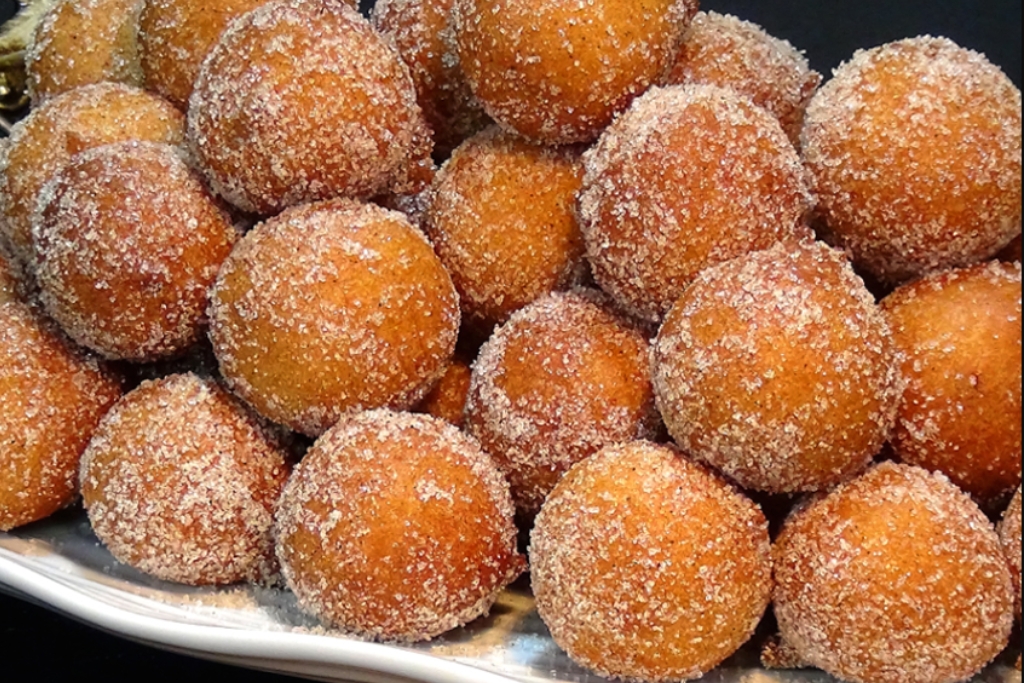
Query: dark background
53, 648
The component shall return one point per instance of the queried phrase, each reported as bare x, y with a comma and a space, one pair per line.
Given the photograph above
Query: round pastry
648, 567
397, 527
128, 241
565, 377
302, 100
778, 369
896, 577
959, 336
330, 308
53, 397
447, 400
503, 221
1010, 534
81, 42
422, 32
689, 177
915, 153
719, 49
558, 72
46, 139
180, 481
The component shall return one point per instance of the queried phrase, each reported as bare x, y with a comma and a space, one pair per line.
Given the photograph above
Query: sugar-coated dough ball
915, 152
81, 42
128, 241
896, 577
689, 177
502, 219
558, 72
397, 527
447, 400
330, 308
959, 336
565, 377
181, 482
87, 117
648, 567
52, 398
779, 369
302, 100
1010, 534
720, 49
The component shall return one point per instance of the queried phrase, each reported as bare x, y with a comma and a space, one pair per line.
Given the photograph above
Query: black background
53, 648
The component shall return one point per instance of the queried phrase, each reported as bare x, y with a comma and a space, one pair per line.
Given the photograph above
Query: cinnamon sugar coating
779, 369
959, 336
558, 72
915, 152
180, 481
502, 219
565, 377
330, 308
648, 567
397, 527
53, 397
689, 177
81, 42
127, 242
302, 100
896, 577
1010, 535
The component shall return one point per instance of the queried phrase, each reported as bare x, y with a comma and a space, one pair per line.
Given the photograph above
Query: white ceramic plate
60, 564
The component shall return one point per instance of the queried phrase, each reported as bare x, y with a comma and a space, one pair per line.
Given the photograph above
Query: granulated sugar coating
80, 42
11, 285
128, 241
689, 177
647, 567
53, 397
181, 481
565, 377
915, 152
46, 139
897, 577
176, 35
503, 221
447, 400
422, 32
779, 369
1010, 534
331, 308
302, 100
959, 335
558, 72
397, 527
725, 51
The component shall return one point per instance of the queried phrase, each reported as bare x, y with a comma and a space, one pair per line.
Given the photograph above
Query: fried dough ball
82, 119
81, 42
302, 100
1012, 252
503, 221
689, 177
959, 334
128, 241
779, 369
447, 400
11, 283
180, 482
53, 397
915, 153
332, 308
422, 32
397, 527
648, 567
558, 72
896, 577
722, 50
1010, 534
565, 377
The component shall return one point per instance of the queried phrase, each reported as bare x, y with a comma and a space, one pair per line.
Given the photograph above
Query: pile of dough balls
290, 295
